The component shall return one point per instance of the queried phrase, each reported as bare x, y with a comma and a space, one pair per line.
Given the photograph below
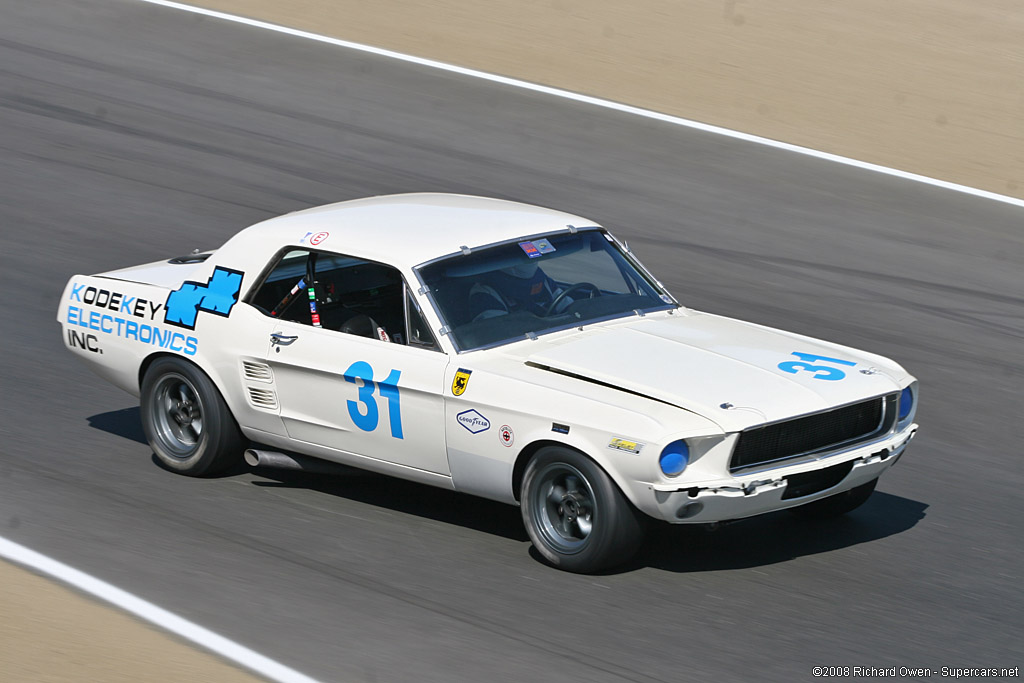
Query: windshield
514, 290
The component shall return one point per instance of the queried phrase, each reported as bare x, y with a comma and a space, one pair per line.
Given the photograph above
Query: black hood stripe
598, 382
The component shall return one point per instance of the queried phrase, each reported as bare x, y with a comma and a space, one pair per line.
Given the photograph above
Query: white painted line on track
158, 616
596, 101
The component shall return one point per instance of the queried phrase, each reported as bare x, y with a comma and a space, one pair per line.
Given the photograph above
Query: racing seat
364, 326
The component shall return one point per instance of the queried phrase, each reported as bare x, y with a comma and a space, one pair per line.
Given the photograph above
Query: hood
700, 362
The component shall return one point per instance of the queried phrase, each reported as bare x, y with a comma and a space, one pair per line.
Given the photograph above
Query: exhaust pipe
293, 461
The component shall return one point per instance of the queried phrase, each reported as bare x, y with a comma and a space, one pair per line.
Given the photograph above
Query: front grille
825, 431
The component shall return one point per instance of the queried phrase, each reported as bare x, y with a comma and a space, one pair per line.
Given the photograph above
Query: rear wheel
575, 515
188, 425
837, 505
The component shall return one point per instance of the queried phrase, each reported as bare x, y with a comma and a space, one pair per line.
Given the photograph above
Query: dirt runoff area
50, 633
934, 87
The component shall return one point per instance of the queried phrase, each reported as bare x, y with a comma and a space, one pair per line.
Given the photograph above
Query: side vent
257, 372
263, 398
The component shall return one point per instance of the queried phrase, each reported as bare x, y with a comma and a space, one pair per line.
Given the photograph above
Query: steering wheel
594, 291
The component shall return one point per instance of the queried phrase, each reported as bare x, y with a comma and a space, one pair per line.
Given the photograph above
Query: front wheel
188, 425
837, 505
575, 515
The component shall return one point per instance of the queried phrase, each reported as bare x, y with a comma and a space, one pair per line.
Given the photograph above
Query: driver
521, 287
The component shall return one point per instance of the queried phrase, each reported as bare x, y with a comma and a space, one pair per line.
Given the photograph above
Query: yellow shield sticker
620, 444
461, 381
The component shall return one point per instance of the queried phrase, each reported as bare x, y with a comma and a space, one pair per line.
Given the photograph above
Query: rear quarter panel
113, 325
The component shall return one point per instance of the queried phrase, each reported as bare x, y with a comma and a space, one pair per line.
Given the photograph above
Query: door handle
282, 339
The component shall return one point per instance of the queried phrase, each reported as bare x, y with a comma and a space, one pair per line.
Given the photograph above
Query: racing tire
187, 424
837, 505
576, 516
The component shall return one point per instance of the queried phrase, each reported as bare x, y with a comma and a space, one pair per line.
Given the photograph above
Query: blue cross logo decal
217, 296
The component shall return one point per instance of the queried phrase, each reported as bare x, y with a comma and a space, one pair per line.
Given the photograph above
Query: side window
341, 293
279, 294
419, 333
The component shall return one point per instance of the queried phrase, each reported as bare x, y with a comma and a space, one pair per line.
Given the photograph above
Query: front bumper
765, 492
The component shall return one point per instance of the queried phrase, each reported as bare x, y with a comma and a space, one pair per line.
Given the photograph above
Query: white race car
495, 348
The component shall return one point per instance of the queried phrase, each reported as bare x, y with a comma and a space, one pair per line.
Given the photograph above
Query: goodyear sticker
461, 381
626, 445
473, 421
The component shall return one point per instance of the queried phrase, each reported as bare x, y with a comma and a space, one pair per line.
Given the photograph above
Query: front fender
501, 420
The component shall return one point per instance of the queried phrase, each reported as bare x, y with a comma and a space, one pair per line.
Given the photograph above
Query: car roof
409, 229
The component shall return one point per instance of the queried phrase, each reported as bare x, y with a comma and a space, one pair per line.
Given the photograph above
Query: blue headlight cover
906, 403
674, 458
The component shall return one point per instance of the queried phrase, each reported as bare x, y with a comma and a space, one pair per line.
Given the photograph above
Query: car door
362, 396
354, 393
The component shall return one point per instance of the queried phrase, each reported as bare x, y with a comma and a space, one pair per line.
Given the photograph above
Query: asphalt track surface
130, 133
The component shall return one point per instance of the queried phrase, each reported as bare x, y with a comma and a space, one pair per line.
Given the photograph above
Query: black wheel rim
564, 506
176, 413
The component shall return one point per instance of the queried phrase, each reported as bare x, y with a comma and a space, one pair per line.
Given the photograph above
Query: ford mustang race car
499, 349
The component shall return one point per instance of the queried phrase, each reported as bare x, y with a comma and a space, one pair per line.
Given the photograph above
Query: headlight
674, 458
906, 403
